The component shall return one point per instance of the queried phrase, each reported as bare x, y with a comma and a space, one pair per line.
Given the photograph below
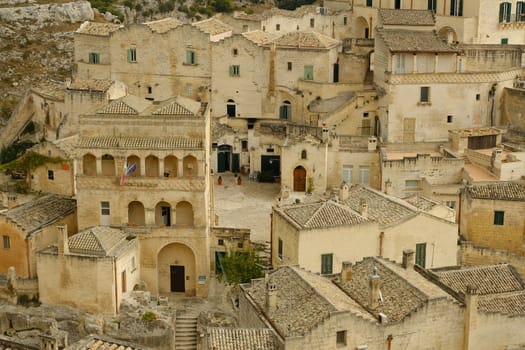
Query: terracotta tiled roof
240, 339
382, 208
321, 214
413, 41
118, 107
420, 202
98, 241
99, 29
172, 108
509, 191
407, 17
212, 26
487, 279
101, 342
163, 25
41, 212
512, 303
306, 40
101, 85
260, 37
140, 142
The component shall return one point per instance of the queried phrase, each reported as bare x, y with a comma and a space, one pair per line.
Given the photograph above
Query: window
190, 57
432, 5
412, 184
235, 70
364, 175
347, 173
369, 3
312, 22
504, 41
308, 72
421, 252
451, 204
231, 108
280, 249
240, 245
189, 89
345, 21
499, 217
50, 175
285, 111
7, 242
235, 52
150, 89
456, 8
303, 154
220, 241
478, 97
132, 55
277, 27
400, 63
504, 12
326, 263
104, 208
341, 338
397, 4
520, 11
424, 96
244, 145
449, 119
289, 64
365, 114
94, 58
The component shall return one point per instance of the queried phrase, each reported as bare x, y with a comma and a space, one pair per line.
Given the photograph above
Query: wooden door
177, 278
299, 179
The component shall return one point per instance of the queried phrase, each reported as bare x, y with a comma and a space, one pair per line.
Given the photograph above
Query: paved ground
246, 206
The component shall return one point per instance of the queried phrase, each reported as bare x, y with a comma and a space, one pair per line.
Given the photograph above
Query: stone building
238, 339
30, 227
149, 174
320, 236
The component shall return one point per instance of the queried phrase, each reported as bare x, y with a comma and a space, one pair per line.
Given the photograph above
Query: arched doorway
184, 214
299, 179
223, 158
361, 28
136, 214
448, 35
176, 269
163, 214
231, 108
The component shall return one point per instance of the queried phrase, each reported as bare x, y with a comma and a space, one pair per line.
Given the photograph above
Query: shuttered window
520, 11
308, 72
421, 252
235, 71
190, 57
505, 12
326, 263
456, 8
132, 55
432, 5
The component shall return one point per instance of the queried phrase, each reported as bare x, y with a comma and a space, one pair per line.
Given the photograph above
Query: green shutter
308, 72
231, 71
520, 11
421, 252
326, 264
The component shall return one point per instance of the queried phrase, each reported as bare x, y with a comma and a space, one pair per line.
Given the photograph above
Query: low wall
472, 255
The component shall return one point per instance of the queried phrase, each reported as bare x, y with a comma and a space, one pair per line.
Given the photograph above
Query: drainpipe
389, 341
116, 284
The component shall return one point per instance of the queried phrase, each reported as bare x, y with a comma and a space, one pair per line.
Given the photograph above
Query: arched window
189, 165
89, 165
170, 166
184, 214
136, 216
163, 214
303, 154
285, 111
231, 108
108, 165
134, 160
152, 166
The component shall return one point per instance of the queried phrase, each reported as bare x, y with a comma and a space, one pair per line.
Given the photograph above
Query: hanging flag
127, 171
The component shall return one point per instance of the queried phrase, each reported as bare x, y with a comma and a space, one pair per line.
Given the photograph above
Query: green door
221, 162
236, 167
421, 252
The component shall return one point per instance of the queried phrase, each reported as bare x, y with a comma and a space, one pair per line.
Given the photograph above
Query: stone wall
512, 111
474, 255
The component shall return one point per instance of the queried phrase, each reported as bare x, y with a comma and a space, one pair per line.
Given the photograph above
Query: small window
451, 204
190, 57
421, 254
347, 173
104, 208
478, 97
365, 114
280, 249
220, 241
50, 175
411, 184
345, 21
326, 263
240, 245
244, 27
277, 27
244, 145
369, 3
303, 154
289, 64
7, 242
132, 55
285, 111
341, 338
235, 70
235, 52
424, 94
312, 22
397, 4
449, 119
364, 175
150, 90
499, 217
189, 89
308, 72
94, 58
504, 41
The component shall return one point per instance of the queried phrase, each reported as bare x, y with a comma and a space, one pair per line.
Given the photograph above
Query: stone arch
361, 28
299, 179
136, 214
163, 214
176, 270
152, 166
171, 164
448, 35
184, 214
189, 166
231, 108
89, 165
133, 159
108, 165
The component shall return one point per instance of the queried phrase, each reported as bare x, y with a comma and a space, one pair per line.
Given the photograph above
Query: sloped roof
163, 25
140, 142
99, 29
179, 106
407, 17
420, 202
306, 40
509, 191
260, 37
400, 40
41, 212
240, 339
102, 342
98, 241
172, 109
512, 303
321, 215
127, 105
212, 26
101, 85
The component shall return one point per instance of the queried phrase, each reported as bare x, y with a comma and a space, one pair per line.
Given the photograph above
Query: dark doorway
165, 213
299, 179
177, 278
270, 168
223, 158
398, 4
367, 33
236, 163
482, 142
336, 72
230, 108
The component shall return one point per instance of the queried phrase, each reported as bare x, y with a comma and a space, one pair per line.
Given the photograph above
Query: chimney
346, 272
344, 192
271, 297
495, 160
63, 246
363, 207
326, 134
471, 313
372, 144
408, 259
375, 293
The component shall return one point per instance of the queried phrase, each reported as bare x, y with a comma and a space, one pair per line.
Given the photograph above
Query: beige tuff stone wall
357, 161
86, 44
474, 255
53, 178
289, 235
494, 331
485, 59
477, 223
512, 111
490, 31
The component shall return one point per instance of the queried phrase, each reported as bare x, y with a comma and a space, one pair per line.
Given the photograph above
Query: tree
240, 267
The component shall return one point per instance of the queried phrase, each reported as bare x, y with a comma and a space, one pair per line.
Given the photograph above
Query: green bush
149, 316
240, 267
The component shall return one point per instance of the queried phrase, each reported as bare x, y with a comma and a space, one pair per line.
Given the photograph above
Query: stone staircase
186, 332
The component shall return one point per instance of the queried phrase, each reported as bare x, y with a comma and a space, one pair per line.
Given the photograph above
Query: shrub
149, 316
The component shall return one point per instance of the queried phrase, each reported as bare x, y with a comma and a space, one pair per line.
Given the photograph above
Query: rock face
54, 13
